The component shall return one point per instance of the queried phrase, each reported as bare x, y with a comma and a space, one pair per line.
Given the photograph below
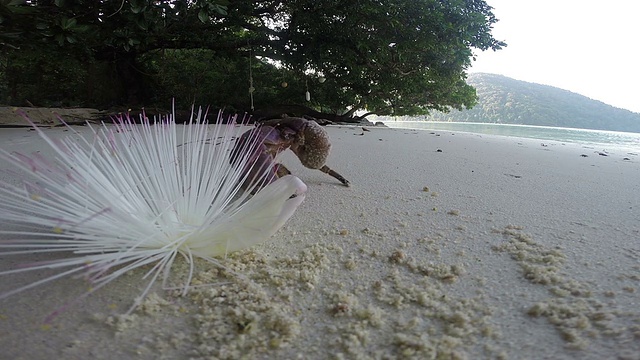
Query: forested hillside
509, 101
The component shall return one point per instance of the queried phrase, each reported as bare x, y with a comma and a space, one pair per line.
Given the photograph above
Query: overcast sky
588, 47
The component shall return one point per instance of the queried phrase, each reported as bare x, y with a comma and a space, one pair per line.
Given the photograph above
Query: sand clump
384, 302
573, 308
305, 305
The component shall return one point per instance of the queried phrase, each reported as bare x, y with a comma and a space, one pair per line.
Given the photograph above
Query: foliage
397, 56
32, 75
503, 100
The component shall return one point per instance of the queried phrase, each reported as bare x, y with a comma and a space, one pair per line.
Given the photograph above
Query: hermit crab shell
315, 146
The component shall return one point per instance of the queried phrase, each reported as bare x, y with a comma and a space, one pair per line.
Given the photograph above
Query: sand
446, 246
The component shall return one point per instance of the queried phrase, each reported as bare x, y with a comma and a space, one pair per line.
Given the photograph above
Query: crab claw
309, 141
257, 145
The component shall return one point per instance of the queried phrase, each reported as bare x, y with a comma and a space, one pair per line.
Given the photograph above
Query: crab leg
325, 169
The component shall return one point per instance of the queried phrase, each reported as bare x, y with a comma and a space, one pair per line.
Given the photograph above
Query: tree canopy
389, 57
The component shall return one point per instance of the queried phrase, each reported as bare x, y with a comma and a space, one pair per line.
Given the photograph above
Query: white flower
131, 195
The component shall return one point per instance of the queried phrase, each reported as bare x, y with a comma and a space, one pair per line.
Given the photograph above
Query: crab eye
288, 133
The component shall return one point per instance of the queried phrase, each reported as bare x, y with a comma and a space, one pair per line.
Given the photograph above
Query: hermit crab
306, 138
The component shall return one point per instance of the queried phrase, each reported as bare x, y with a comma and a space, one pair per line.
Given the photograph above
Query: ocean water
605, 139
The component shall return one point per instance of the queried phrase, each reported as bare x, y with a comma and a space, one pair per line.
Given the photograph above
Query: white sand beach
446, 246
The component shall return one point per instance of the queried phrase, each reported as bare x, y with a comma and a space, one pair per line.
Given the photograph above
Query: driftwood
11, 116
279, 111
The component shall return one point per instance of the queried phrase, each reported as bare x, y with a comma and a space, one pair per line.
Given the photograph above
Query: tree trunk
131, 78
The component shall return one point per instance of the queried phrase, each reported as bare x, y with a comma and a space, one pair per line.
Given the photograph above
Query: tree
392, 57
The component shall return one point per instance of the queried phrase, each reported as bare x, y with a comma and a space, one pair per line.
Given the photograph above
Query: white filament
132, 195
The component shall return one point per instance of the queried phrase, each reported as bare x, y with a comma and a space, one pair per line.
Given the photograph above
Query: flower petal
254, 222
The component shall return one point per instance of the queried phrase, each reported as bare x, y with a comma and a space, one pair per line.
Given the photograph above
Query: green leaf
81, 28
16, 7
67, 24
142, 23
60, 39
13, 35
222, 10
203, 16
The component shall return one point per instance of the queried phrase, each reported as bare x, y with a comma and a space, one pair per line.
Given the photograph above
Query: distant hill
508, 101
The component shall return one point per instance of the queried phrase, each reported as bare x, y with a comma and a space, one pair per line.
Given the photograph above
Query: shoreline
629, 141
446, 244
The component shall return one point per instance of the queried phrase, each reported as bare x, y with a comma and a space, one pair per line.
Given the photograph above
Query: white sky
588, 47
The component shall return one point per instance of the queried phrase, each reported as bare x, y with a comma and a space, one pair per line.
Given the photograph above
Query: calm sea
579, 136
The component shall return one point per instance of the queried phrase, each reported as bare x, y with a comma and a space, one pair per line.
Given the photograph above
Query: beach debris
439, 150
130, 196
626, 159
584, 155
362, 132
425, 189
397, 257
602, 153
340, 308
514, 176
306, 138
